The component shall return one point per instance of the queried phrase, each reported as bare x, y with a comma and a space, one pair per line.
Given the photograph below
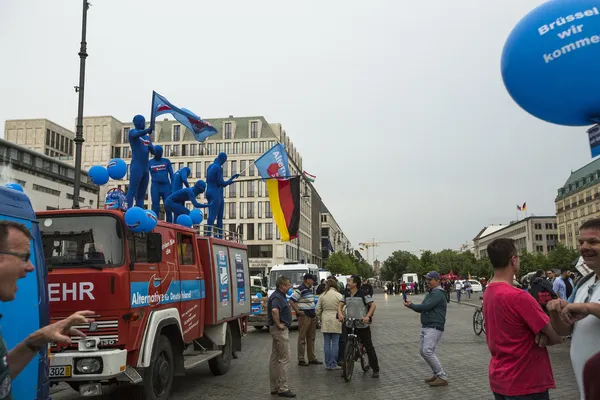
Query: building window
209, 149
125, 135
176, 133
226, 169
233, 167
250, 209
183, 150
180, 166
232, 208
537, 226
539, 248
192, 149
254, 129
244, 147
250, 233
260, 209
176, 150
539, 237
243, 167
45, 189
219, 147
47, 137
254, 147
227, 148
126, 151
268, 212
242, 205
269, 231
251, 170
259, 231
198, 173
227, 131
250, 188
233, 190
236, 148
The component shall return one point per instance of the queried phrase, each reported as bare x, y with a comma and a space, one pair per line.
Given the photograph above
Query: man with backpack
541, 290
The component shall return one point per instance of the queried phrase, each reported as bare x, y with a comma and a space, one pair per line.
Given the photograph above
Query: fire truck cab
165, 301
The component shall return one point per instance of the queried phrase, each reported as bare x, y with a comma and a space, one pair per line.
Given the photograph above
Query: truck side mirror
154, 247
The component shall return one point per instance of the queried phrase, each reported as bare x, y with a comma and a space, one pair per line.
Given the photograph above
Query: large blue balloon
196, 216
136, 219
551, 60
185, 220
15, 186
117, 168
98, 174
150, 221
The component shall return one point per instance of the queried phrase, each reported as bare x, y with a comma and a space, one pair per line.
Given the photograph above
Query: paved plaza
464, 355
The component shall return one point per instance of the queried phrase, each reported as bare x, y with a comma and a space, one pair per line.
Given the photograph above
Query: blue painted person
215, 193
141, 145
161, 172
180, 179
175, 203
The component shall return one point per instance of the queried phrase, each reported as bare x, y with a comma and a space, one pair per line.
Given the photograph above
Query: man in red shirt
518, 332
403, 286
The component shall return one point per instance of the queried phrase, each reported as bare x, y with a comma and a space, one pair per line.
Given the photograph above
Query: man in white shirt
458, 288
580, 314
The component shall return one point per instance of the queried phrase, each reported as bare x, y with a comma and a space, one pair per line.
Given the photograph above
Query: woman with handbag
330, 326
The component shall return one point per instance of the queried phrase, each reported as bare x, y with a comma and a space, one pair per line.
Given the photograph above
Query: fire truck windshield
94, 241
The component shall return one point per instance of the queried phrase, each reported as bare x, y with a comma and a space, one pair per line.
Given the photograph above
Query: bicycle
478, 321
354, 351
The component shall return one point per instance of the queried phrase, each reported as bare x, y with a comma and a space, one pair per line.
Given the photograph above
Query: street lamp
79, 131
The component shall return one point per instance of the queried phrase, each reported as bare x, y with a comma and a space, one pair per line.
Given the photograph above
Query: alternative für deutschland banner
285, 204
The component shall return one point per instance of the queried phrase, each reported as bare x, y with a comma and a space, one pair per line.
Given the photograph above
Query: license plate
63, 371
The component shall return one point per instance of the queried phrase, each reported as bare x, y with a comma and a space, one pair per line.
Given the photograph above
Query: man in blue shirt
280, 320
303, 302
563, 285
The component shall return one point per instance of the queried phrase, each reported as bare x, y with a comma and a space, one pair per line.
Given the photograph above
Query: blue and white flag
594, 136
274, 163
201, 129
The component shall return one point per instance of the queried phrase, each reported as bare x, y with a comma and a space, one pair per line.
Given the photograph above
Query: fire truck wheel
220, 364
158, 377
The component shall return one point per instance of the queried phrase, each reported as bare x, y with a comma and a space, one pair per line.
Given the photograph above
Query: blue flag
274, 163
594, 136
201, 129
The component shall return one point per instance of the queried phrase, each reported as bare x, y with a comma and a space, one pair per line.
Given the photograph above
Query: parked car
475, 285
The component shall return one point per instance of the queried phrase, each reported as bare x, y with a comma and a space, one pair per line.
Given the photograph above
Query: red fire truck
165, 301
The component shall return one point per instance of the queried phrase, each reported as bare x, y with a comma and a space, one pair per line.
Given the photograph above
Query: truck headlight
88, 365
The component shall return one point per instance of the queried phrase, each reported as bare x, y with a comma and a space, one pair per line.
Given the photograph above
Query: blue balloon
117, 168
185, 220
150, 221
550, 62
136, 219
196, 216
15, 186
259, 295
290, 292
98, 174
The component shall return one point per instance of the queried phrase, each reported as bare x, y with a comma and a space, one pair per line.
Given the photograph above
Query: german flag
285, 204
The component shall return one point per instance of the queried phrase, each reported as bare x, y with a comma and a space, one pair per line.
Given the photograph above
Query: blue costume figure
161, 172
180, 179
140, 143
175, 203
215, 193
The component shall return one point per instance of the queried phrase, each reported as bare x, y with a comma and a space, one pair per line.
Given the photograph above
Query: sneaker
433, 378
303, 363
286, 394
315, 362
439, 382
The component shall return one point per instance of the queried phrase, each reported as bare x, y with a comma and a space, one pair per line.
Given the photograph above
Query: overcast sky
398, 107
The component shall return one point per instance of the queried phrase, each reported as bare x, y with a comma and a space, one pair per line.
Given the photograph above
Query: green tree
340, 263
561, 257
398, 263
528, 262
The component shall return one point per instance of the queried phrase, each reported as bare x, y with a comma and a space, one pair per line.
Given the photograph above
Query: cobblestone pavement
464, 355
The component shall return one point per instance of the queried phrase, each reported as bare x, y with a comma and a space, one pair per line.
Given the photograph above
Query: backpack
543, 297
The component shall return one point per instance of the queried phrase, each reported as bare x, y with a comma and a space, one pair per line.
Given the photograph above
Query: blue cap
432, 275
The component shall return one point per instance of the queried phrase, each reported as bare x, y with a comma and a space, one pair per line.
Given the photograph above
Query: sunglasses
22, 256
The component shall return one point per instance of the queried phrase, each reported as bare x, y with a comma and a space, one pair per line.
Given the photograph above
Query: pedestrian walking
433, 320
458, 288
280, 320
517, 332
331, 327
303, 303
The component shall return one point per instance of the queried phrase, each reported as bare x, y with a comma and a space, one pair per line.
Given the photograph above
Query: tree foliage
465, 263
348, 264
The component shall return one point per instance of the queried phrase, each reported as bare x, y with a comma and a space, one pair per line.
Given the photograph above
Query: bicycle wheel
349, 359
364, 358
483, 322
478, 321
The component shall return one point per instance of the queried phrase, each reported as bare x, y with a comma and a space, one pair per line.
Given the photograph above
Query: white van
293, 271
409, 278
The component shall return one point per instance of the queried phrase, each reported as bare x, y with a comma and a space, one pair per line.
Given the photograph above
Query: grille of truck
107, 330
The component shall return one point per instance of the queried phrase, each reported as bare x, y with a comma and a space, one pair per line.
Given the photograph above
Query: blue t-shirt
279, 301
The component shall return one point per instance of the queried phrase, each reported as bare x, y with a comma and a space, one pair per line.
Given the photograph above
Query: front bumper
63, 365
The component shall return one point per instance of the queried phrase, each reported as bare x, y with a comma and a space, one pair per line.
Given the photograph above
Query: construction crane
376, 244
